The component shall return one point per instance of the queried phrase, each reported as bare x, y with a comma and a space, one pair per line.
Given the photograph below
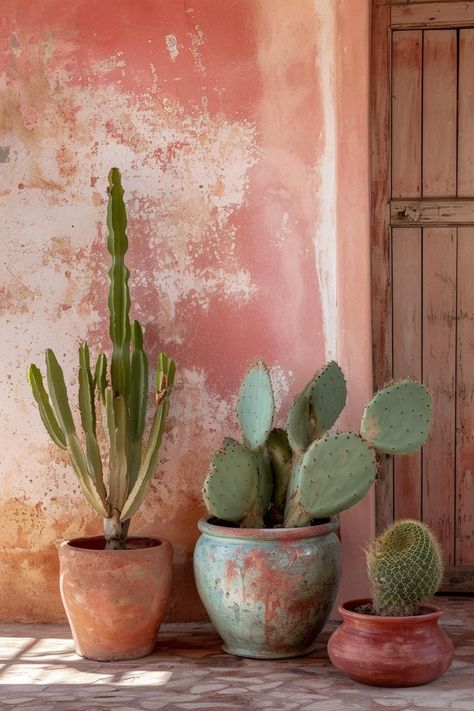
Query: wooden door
423, 259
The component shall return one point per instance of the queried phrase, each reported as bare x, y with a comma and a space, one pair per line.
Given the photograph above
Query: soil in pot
390, 651
115, 600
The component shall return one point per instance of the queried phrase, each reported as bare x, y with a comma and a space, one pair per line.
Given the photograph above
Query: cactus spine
122, 399
404, 565
293, 477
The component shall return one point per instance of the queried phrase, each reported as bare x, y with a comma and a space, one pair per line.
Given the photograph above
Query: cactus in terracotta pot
394, 639
114, 396
294, 476
405, 566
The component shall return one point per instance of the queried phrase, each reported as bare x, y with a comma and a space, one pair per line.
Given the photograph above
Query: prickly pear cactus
405, 565
295, 476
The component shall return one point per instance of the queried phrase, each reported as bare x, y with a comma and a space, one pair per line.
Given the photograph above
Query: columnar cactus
121, 397
405, 566
293, 477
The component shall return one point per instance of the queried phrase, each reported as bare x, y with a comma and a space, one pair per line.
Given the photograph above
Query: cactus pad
397, 419
255, 517
256, 405
231, 486
299, 425
280, 454
334, 474
328, 396
405, 566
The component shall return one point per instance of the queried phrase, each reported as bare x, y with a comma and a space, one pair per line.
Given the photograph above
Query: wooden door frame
387, 16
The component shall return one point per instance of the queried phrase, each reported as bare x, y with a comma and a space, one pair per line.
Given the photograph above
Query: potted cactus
114, 588
267, 562
394, 639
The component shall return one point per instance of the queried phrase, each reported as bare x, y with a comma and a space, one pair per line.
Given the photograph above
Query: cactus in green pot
113, 396
291, 477
405, 566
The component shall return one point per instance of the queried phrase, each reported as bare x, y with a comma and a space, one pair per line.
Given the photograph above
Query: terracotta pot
115, 600
268, 591
390, 651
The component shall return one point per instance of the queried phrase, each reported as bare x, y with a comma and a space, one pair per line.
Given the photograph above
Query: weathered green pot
268, 591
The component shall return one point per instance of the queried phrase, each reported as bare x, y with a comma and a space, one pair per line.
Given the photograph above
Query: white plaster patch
172, 46
199, 288
325, 241
197, 41
282, 381
285, 230
105, 66
199, 410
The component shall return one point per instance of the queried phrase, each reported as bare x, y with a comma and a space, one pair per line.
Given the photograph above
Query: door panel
465, 118
406, 108
407, 356
439, 359
439, 113
465, 398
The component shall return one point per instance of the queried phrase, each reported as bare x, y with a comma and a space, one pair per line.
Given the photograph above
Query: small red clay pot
390, 651
115, 600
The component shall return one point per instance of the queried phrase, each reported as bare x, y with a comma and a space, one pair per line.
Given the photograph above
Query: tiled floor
39, 670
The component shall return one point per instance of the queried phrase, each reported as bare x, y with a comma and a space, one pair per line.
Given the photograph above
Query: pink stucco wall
241, 129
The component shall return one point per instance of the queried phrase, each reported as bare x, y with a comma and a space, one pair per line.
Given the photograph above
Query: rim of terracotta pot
266, 534
428, 613
96, 544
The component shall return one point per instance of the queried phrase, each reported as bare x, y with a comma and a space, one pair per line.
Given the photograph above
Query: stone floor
39, 670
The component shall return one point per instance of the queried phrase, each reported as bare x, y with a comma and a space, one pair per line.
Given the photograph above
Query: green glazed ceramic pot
268, 591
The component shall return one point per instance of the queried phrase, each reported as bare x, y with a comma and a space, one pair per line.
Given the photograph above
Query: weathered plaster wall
225, 120
351, 100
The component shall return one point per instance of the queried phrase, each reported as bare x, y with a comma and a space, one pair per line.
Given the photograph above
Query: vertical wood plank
380, 228
439, 112
466, 113
439, 356
406, 113
465, 400
407, 356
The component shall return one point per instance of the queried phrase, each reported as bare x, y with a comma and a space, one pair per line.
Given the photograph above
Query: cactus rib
138, 402
119, 297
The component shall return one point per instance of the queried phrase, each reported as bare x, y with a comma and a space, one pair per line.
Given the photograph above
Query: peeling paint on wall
172, 46
4, 154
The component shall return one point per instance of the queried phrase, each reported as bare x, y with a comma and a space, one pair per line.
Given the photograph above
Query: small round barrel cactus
405, 566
